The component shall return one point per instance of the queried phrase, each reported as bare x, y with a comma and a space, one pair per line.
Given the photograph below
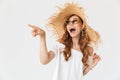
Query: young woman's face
74, 26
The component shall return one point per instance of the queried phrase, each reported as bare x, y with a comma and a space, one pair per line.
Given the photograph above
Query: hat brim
57, 21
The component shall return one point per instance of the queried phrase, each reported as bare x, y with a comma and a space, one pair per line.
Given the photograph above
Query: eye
75, 21
67, 22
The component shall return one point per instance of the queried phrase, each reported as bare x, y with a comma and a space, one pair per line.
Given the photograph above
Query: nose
71, 23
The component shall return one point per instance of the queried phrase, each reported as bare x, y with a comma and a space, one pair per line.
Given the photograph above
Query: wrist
43, 37
90, 67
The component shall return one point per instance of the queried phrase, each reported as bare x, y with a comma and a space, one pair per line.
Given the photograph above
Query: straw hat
58, 20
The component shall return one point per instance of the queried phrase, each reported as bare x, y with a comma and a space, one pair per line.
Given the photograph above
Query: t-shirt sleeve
57, 47
89, 60
54, 48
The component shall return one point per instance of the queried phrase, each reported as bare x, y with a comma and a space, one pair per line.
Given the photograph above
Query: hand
37, 31
95, 59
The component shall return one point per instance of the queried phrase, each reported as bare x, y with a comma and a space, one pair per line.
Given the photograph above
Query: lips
72, 30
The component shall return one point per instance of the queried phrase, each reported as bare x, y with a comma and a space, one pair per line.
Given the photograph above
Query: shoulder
56, 47
58, 44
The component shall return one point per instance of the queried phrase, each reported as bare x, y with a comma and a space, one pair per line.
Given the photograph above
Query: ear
83, 26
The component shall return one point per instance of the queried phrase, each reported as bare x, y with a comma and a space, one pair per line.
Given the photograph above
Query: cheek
78, 30
79, 27
67, 28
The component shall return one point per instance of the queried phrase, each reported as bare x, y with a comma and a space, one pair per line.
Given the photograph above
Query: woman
74, 51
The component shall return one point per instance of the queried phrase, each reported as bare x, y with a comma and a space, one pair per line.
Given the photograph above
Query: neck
75, 43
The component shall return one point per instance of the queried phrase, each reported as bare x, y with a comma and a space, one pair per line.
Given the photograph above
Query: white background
19, 51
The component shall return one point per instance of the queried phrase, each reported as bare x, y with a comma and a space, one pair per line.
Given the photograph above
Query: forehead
73, 17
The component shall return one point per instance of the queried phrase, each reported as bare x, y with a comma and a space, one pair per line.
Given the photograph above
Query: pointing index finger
31, 26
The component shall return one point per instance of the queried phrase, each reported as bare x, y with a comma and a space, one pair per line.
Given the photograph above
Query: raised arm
45, 56
93, 62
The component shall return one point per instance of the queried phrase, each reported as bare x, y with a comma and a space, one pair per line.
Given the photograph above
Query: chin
74, 35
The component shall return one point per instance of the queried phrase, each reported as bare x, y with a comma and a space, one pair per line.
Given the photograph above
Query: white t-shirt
67, 70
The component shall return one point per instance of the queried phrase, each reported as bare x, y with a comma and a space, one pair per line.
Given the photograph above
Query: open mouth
72, 30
